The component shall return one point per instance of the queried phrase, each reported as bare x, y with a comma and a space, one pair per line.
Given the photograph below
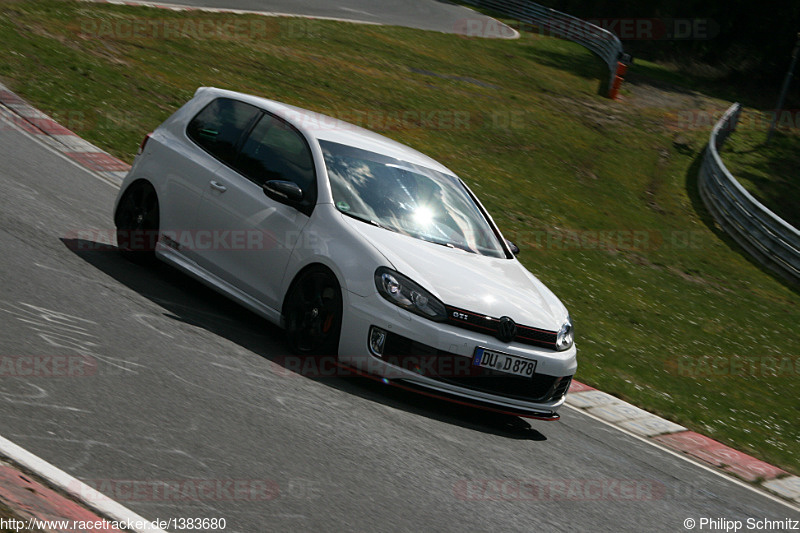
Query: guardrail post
619, 76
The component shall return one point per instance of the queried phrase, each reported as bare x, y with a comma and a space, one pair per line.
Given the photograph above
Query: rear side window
274, 150
220, 125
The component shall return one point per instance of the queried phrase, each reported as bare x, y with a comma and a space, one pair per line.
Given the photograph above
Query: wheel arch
139, 182
310, 266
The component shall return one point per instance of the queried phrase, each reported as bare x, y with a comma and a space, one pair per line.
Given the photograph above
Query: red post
619, 76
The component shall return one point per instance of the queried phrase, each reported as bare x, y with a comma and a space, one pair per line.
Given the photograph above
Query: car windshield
408, 199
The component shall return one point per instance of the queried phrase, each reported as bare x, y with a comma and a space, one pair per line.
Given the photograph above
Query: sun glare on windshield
407, 198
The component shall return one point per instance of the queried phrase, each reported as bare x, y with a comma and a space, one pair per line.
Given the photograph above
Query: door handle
217, 186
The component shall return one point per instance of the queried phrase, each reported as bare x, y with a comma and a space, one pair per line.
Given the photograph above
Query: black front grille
490, 325
458, 370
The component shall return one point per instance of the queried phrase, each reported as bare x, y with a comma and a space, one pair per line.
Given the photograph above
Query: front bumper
437, 358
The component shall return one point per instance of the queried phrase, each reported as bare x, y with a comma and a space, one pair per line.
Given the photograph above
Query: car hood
492, 286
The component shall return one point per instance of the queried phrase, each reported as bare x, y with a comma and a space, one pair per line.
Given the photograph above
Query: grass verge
601, 196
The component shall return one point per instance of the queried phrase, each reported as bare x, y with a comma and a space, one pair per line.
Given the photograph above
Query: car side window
220, 125
274, 150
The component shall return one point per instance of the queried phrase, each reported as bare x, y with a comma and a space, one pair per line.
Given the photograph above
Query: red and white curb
659, 430
30, 498
20, 114
600, 405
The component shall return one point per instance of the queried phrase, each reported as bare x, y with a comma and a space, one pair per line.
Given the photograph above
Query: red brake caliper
328, 323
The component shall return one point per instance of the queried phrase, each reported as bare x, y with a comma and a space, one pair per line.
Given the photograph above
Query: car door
253, 235
218, 130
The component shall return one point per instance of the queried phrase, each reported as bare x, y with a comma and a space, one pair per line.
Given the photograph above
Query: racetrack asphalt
184, 389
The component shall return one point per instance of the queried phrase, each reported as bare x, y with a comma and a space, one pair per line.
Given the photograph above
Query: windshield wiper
396, 230
440, 243
367, 220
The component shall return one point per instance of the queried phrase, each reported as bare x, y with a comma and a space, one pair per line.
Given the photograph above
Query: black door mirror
513, 247
286, 192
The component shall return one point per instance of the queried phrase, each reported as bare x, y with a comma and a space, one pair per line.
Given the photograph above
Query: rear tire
312, 313
137, 221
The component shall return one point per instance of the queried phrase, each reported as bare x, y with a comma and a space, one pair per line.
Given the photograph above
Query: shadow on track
188, 301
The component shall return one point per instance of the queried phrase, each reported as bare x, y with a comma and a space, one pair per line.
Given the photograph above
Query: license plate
503, 362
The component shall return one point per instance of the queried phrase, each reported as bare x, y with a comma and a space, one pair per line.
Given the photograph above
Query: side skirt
176, 259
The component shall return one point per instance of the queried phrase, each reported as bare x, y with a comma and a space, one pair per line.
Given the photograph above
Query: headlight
401, 291
566, 336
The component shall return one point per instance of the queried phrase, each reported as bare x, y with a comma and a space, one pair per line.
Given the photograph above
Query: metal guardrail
771, 240
600, 41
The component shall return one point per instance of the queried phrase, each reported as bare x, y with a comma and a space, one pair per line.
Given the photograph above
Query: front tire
137, 221
313, 313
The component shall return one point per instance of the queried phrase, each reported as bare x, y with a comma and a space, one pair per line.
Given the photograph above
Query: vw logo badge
506, 329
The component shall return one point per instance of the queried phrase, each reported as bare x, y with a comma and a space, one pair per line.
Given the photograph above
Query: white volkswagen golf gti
361, 248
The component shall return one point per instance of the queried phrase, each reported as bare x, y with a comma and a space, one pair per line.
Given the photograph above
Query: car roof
326, 128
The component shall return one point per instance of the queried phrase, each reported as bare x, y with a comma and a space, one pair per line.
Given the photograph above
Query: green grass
767, 171
549, 157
